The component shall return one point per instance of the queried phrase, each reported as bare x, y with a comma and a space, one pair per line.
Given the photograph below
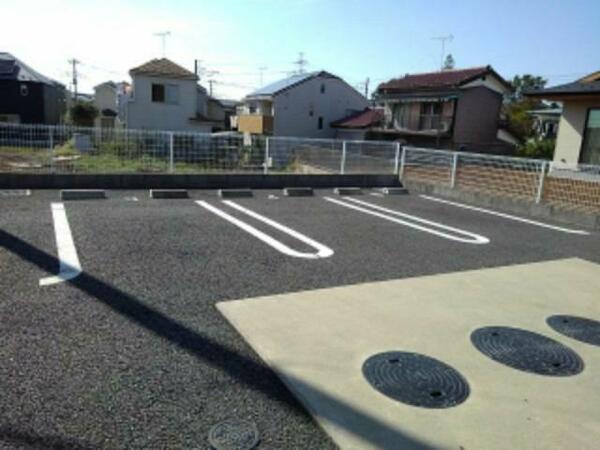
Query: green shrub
537, 148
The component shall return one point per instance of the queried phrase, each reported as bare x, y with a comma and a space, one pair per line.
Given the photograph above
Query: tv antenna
301, 62
443, 39
163, 37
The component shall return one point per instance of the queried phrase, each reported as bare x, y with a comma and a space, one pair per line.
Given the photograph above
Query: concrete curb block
235, 193
508, 204
82, 194
168, 193
347, 191
298, 192
392, 190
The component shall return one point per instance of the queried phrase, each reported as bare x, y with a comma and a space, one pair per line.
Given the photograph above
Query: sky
355, 39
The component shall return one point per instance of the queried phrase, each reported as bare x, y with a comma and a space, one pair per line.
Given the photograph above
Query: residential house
111, 99
545, 122
26, 96
167, 96
578, 139
302, 105
459, 109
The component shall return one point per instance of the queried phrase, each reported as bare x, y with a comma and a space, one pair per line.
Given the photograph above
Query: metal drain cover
416, 379
233, 434
527, 351
579, 328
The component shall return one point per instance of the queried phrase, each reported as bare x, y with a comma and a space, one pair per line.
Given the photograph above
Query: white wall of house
143, 113
293, 107
105, 97
570, 132
491, 82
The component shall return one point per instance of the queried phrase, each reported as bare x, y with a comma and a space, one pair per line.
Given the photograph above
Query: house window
402, 115
158, 93
320, 126
24, 90
590, 150
311, 113
430, 117
322, 88
172, 94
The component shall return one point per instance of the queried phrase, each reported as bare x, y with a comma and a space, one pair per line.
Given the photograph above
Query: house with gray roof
27, 96
303, 105
578, 139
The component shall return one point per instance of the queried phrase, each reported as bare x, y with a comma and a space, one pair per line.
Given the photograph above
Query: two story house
166, 96
302, 105
27, 96
457, 109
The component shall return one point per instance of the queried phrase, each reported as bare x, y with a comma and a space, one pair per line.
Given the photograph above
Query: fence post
266, 168
51, 138
540, 188
453, 173
171, 154
402, 163
343, 162
397, 159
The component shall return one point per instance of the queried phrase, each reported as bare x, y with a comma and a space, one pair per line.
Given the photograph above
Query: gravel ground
133, 353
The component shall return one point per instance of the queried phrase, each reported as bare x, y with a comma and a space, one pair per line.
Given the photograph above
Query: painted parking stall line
69, 266
322, 251
506, 216
415, 222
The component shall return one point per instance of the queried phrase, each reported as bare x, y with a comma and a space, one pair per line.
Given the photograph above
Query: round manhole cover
579, 328
416, 379
233, 434
527, 351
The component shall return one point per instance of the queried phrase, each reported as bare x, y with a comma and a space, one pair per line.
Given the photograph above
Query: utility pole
367, 87
301, 62
163, 36
261, 71
210, 87
74, 63
443, 39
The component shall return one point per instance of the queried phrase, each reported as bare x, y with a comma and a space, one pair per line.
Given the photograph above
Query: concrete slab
298, 192
347, 191
168, 193
82, 194
234, 193
318, 340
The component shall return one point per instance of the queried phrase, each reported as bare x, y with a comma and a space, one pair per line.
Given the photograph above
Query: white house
302, 105
111, 100
167, 96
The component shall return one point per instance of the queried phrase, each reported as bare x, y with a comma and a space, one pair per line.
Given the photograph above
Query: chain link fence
576, 187
68, 149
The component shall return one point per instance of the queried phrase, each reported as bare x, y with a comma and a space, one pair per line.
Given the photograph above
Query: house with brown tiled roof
167, 96
458, 109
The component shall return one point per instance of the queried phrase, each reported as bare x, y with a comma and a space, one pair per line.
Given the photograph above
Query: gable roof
439, 80
282, 85
12, 68
163, 68
588, 85
360, 119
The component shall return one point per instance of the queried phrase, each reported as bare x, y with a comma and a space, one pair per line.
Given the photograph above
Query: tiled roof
163, 68
14, 69
361, 119
436, 80
588, 85
286, 83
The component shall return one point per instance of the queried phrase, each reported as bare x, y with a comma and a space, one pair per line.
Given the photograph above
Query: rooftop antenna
443, 39
163, 36
261, 72
301, 62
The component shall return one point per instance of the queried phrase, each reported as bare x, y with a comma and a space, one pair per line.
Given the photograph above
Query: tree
448, 62
83, 114
526, 82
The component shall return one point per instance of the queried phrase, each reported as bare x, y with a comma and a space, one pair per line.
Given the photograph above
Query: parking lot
131, 351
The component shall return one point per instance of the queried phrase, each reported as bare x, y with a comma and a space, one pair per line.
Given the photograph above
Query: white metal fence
576, 187
66, 149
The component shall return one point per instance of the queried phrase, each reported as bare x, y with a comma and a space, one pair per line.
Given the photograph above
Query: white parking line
506, 216
67, 254
322, 250
471, 238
